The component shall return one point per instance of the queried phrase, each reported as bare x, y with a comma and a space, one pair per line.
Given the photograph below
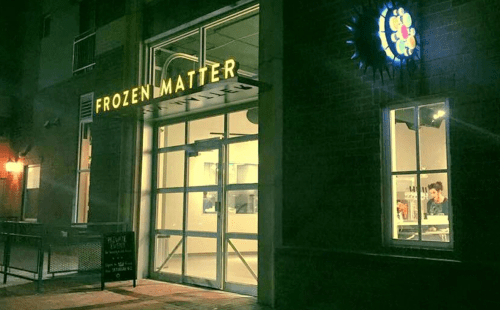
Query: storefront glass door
206, 202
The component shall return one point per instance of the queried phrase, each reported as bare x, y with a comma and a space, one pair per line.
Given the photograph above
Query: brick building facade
326, 209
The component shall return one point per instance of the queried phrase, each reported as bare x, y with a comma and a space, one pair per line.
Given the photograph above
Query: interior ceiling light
439, 114
382, 35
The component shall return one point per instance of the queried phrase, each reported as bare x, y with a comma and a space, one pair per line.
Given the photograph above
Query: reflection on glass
171, 169
176, 58
201, 260
203, 168
169, 211
243, 162
209, 202
242, 208
197, 219
237, 270
238, 38
243, 123
403, 138
435, 207
242, 201
171, 135
168, 253
207, 128
432, 135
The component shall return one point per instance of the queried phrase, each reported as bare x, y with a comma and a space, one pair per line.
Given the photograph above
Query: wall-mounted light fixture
14, 166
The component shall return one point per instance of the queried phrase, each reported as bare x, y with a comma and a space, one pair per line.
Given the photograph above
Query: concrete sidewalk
84, 293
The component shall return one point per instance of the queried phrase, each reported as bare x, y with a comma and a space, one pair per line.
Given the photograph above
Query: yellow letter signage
168, 87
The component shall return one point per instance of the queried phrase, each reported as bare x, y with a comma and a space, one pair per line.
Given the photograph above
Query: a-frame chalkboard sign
118, 258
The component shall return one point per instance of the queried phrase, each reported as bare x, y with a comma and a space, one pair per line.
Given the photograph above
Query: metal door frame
222, 188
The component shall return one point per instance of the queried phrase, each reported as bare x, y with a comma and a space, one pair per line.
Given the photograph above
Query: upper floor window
416, 150
84, 53
209, 45
84, 44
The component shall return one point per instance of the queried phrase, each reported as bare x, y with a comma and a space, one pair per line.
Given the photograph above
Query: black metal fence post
41, 256
6, 258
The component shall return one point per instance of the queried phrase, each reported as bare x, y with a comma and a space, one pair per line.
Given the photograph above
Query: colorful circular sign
397, 33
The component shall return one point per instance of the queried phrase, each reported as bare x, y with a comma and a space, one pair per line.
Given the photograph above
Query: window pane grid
432, 222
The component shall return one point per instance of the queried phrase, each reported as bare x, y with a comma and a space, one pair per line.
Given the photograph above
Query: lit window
418, 185
84, 160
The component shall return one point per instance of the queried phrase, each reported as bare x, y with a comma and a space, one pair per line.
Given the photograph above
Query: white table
431, 220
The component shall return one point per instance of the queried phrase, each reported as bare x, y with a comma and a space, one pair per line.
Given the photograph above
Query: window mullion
417, 151
203, 36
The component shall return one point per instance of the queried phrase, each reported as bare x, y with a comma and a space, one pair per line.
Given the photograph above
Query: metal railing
72, 248
22, 255
84, 53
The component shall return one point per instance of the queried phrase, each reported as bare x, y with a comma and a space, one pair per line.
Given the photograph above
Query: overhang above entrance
228, 92
232, 91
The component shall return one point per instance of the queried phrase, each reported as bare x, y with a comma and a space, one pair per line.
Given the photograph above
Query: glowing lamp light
14, 166
439, 114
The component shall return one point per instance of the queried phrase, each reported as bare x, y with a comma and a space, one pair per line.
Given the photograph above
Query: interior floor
204, 266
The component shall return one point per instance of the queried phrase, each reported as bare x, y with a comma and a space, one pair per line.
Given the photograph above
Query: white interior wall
432, 155
172, 175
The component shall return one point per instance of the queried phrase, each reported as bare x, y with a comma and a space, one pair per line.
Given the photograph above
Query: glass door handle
217, 206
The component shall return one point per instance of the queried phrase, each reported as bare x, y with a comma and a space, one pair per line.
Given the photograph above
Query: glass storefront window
420, 206
171, 135
176, 57
203, 168
243, 123
208, 167
198, 219
242, 269
243, 162
206, 128
236, 37
168, 254
171, 169
169, 212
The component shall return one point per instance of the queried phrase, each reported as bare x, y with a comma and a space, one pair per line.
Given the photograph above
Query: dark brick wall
332, 158
161, 15
56, 147
352, 281
106, 143
331, 135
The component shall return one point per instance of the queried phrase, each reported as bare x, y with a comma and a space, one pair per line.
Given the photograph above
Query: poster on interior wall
118, 258
384, 35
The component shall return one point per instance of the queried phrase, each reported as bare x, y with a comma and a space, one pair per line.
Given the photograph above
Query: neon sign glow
384, 35
397, 33
170, 87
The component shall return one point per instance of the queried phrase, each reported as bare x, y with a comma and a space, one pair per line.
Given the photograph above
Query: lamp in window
14, 166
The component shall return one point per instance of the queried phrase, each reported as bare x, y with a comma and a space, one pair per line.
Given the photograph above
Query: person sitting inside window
438, 204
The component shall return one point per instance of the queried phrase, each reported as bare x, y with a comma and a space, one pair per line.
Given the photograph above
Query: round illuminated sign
383, 35
397, 33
